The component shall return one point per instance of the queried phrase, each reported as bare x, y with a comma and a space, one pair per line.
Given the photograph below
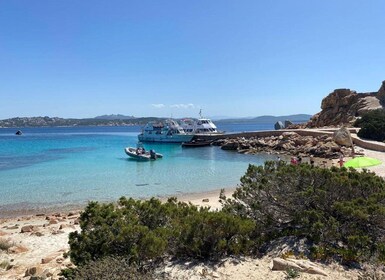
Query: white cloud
158, 105
183, 106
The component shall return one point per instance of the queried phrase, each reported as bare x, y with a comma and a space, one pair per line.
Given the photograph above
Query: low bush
341, 211
112, 268
5, 264
372, 125
5, 244
150, 230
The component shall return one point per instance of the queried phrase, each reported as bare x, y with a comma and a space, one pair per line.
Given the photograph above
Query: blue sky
72, 58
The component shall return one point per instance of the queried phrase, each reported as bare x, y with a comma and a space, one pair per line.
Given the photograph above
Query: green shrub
112, 268
5, 244
5, 264
145, 231
291, 273
372, 125
342, 211
211, 235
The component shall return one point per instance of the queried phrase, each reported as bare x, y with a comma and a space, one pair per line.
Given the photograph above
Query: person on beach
293, 161
341, 160
312, 160
299, 160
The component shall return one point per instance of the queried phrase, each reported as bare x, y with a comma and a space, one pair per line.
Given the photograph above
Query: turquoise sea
61, 166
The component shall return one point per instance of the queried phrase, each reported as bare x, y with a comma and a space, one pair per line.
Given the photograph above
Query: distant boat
196, 143
141, 154
19, 132
168, 131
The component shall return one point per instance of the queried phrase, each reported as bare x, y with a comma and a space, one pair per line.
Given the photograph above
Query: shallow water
59, 166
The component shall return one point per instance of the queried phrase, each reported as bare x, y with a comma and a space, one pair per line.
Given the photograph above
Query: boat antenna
200, 113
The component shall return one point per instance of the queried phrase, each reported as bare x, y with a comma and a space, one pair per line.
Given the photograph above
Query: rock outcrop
278, 125
344, 106
342, 137
289, 143
381, 94
299, 265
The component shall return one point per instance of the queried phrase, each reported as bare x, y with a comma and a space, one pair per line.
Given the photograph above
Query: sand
43, 247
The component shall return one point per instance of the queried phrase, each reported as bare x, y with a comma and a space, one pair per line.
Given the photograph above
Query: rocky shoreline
289, 143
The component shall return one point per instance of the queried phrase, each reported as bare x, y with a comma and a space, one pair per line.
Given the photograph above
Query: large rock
344, 106
230, 146
28, 228
288, 123
342, 137
381, 93
299, 265
278, 125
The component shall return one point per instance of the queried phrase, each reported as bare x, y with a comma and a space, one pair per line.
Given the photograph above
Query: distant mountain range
114, 117
268, 119
121, 120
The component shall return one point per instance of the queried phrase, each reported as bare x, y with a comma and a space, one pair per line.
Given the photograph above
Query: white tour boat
199, 126
168, 131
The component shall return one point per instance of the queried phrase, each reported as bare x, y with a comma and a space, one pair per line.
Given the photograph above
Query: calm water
59, 166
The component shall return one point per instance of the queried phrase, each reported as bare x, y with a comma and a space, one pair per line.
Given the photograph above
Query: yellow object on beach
360, 162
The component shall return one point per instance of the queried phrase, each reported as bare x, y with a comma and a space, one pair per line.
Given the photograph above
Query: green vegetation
150, 230
340, 211
291, 273
372, 125
112, 268
5, 244
5, 264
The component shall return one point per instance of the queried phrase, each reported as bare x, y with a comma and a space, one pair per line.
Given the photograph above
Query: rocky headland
339, 110
344, 106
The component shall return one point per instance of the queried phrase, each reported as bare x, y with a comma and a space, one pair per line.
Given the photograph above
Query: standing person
341, 160
293, 161
312, 160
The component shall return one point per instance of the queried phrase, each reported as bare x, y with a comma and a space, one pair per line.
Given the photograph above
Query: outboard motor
152, 154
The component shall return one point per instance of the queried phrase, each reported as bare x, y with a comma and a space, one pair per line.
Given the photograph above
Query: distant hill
298, 118
49, 121
121, 120
114, 117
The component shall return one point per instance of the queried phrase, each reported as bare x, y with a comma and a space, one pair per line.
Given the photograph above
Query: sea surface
58, 166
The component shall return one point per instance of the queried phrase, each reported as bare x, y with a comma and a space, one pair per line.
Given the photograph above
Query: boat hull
196, 144
176, 138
